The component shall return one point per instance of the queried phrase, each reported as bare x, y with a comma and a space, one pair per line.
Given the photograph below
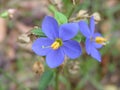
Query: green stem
57, 79
71, 12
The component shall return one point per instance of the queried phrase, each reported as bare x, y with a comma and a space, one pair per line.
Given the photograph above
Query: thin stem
72, 10
57, 79
74, 2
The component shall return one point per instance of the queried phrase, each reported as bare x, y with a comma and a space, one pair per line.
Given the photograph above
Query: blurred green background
84, 73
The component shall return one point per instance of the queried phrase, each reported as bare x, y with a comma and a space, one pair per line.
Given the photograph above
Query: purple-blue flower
94, 40
58, 43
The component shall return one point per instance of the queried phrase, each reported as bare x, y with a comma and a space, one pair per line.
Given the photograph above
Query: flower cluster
58, 44
94, 40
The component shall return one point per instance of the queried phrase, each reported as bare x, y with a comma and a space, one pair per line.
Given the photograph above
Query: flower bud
96, 16
38, 67
82, 14
73, 67
24, 38
11, 12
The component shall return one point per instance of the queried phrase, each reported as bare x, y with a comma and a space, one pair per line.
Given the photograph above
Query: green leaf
5, 14
82, 82
61, 18
45, 79
38, 32
52, 8
64, 80
78, 37
96, 84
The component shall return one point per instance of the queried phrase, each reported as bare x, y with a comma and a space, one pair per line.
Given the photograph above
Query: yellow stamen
55, 45
100, 40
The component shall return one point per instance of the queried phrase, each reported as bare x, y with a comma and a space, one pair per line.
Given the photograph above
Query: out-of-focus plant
58, 49
8, 13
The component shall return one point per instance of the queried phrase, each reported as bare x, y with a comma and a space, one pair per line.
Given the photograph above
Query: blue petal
68, 31
88, 46
50, 27
95, 54
91, 50
84, 29
72, 49
55, 58
97, 35
96, 45
92, 25
38, 45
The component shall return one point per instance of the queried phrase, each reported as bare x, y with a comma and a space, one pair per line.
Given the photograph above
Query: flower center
100, 40
56, 44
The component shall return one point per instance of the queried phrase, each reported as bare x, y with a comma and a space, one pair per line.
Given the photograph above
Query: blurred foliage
89, 74
45, 79
4, 14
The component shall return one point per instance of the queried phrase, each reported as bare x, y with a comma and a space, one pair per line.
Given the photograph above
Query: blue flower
94, 40
57, 45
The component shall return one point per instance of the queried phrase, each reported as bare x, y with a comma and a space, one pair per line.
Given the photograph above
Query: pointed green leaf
38, 32
52, 8
45, 79
61, 18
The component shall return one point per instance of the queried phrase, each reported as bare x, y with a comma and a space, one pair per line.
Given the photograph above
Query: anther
55, 45
100, 40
